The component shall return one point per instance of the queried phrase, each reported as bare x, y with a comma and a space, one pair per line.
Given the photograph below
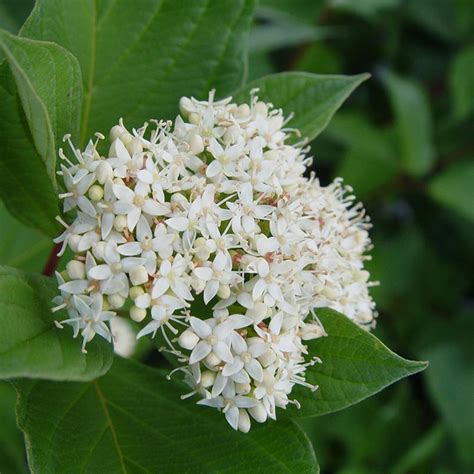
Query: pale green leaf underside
313, 98
138, 58
355, 365
25, 186
31, 345
133, 421
49, 83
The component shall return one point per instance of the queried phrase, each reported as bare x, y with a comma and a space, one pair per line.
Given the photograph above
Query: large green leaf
138, 58
413, 123
313, 98
355, 365
25, 186
30, 343
12, 450
21, 247
454, 188
462, 83
49, 84
132, 420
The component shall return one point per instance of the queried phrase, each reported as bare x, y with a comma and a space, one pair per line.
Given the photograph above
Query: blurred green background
405, 142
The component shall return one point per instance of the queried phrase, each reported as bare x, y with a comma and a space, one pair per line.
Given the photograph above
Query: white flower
214, 208
214, 339
113, 273
90, 319
133, 203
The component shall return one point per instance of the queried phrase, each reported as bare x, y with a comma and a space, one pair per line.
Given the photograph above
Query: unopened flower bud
244, 421
188, 339
137, 314
267, 358
212, 360
135, 292
258, 412
224, 291
96, 192
76, 270
116, 301
120, 223
115, 132
194, 118
196, 144
104, 172
207, 378
98, 250
73, 242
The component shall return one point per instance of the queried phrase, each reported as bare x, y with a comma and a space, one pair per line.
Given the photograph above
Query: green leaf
138, 58
462, 83
413, 123
454, 188
25, 186
31, 345
12, 449
21, 247
48, 79
133, 420
355, 365
313, 98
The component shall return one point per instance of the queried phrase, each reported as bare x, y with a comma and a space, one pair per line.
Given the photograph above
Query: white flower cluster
208, 232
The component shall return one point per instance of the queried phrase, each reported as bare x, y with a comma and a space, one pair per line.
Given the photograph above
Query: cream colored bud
194, 118
267, 358
134, 146
331, 292
364, 317
137, 314
138, 275
125, 138
258, 412
185, 106
135, 292
207, 378
96, 192
312, 331
73, 242
212, 360
224, 291
261, 109
120, 223
116, 301
104, 172
196, 144
244, 421
243, 111
242, 388
115, 132
76, 270
188, 339
98, 250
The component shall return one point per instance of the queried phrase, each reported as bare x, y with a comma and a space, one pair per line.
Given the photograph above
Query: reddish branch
53, 260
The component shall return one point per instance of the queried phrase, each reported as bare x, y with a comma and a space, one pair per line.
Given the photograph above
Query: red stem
53, 260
